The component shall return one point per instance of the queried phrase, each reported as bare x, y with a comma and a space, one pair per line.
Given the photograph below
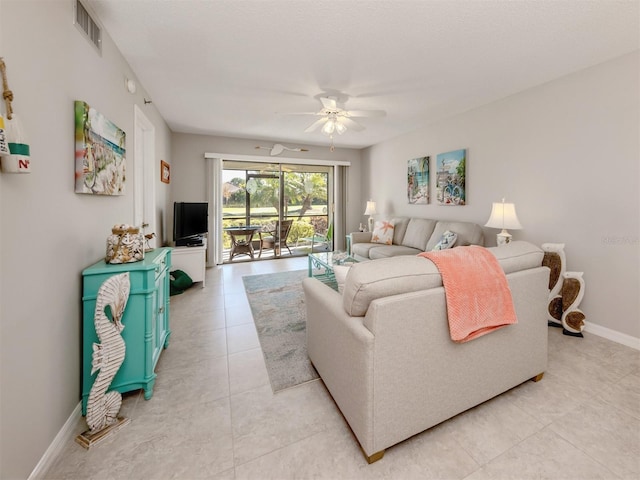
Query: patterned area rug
277, 304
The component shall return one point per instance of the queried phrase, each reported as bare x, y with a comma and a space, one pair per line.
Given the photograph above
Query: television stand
191, 259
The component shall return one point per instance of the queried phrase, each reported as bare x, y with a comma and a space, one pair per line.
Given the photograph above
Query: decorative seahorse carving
572, 293
108, 355
555, 259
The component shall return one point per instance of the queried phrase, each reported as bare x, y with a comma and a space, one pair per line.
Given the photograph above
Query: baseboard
612, 335
66, 434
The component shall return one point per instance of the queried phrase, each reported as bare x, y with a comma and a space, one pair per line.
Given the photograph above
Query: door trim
144, 172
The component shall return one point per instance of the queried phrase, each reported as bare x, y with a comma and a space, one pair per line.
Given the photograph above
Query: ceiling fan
278, 148
337, 120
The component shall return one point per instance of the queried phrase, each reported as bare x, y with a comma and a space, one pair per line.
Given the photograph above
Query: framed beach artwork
165, 172
451, 178
99, 151
418, 180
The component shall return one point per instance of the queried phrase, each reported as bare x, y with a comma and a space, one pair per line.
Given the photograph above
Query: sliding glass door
271, 197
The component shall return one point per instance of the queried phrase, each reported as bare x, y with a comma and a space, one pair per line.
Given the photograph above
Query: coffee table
321, 266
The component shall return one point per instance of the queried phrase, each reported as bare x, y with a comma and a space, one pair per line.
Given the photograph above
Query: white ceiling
235, 67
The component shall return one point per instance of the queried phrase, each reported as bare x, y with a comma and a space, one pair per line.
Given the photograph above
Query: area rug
277, 304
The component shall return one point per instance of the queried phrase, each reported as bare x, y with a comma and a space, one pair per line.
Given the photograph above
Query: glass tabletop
329, 259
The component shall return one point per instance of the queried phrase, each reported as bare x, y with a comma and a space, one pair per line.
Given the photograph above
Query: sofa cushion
518, 255
384, 277
399, 229
383, 232
468, 233
340, 273
392, 251
419, 230
447, 240
362, 249
368, 281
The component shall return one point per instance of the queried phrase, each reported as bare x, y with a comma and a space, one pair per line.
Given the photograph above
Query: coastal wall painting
100, 153
451, 178
418, 180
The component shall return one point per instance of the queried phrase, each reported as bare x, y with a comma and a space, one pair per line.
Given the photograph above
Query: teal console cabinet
146, 321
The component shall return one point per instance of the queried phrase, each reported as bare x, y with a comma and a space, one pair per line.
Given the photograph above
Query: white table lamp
371, 211
503, 216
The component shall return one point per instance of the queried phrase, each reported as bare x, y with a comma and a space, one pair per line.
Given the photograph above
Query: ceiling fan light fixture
340, 128
329, 127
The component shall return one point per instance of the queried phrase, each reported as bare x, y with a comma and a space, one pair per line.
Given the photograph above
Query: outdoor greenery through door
262, 194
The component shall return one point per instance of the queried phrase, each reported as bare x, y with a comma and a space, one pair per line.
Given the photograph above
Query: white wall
49, 233
567, 154
189, 182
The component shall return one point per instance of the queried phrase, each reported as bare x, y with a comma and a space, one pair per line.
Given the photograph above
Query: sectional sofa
412, 236
384, 351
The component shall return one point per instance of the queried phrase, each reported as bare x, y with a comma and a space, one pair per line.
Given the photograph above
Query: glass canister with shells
125, 244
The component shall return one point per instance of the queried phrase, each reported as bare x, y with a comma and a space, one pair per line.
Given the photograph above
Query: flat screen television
190, 222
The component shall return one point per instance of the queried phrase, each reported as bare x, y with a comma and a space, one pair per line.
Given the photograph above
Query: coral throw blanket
478, 296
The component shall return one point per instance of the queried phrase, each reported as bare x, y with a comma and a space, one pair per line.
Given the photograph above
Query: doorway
144, 194
269, 197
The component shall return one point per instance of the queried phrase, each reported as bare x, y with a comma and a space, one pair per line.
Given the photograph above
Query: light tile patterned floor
213, 414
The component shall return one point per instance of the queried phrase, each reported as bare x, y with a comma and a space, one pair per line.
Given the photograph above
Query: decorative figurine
572, 293
108, 355
555, 259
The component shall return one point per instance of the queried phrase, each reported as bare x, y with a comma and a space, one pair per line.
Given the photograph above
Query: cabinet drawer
161, 266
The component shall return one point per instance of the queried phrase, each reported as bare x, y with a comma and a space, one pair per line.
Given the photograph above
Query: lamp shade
371, 208
503, 215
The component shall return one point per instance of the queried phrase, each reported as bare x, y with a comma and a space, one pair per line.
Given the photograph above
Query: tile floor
213, 414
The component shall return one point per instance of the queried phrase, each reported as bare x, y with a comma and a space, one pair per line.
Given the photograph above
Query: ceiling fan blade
304, 113
315, 125
329, 103
277, 149
365, 113
350, 124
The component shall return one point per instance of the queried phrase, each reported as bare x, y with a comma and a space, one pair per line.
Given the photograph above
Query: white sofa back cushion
368, 281
400, 228
418, 232
468, 234
518, 256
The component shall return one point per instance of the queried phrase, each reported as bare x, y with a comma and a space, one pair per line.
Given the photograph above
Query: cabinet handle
161, 309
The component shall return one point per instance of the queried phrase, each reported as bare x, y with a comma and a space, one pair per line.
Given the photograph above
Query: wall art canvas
100, 153
451, 178
418, 180
165, 172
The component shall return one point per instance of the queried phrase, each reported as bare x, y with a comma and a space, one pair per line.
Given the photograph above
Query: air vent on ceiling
88, 26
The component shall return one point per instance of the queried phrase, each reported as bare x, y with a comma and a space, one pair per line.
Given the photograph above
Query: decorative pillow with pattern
383, 232
447, 240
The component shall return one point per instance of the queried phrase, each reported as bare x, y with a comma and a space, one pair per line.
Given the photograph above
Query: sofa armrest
327, 318
360, 237
341, 349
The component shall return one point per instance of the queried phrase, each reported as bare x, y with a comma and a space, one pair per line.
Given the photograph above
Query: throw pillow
383, 232
447, 240
340, 272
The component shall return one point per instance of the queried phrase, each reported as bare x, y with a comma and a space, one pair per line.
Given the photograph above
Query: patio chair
276, 239
322, 242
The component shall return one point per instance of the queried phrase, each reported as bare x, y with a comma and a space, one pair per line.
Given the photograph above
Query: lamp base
371, 223
503, 238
